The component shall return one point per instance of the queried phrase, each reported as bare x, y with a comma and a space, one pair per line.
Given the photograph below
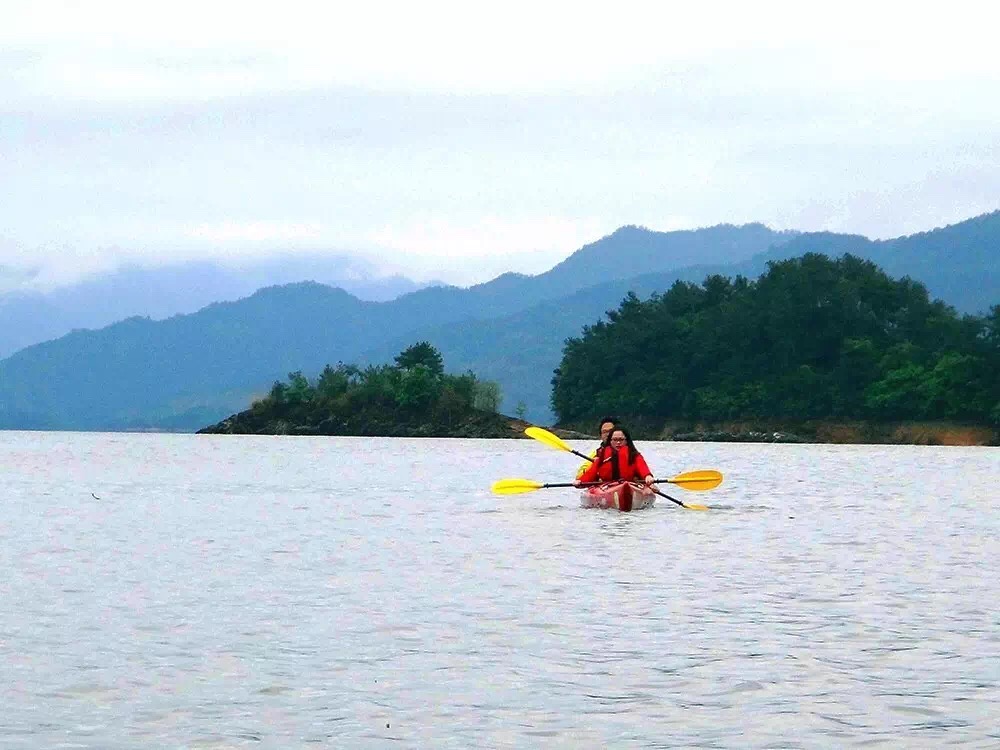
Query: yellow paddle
689, 506
696, 481
520, 486
554, 441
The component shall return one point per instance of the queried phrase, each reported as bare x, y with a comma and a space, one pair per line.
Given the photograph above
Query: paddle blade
686, 506
514, 486
697, 481
547, 437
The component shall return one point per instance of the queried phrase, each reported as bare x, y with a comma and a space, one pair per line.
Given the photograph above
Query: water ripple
225, 593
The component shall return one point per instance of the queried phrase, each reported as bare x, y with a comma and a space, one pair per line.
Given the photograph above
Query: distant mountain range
187, 371
28, 318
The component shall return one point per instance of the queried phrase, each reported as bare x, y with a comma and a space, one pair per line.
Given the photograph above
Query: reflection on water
285, 592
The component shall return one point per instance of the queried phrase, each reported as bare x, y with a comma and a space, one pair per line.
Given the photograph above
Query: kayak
623, 496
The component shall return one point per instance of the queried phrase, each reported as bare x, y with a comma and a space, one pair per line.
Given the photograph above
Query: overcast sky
459, 140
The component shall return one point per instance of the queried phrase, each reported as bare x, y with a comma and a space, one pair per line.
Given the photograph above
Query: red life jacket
612, 463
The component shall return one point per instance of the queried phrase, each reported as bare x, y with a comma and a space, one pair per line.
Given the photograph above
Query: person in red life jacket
604, 427
619, 459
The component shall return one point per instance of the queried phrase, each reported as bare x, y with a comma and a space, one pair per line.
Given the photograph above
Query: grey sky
451, 142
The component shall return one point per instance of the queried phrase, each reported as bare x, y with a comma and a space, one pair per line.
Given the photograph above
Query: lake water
174, 591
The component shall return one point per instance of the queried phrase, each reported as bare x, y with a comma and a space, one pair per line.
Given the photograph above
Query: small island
413, 397
815, 350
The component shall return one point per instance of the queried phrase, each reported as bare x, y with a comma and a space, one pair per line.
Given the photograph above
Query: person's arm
642, 469
589, 475
587, 465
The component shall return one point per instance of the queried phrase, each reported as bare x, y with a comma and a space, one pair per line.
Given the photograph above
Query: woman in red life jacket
619, 459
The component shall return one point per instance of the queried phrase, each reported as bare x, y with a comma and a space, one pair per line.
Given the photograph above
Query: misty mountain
189, 370
634, 251
28, 318
173, 373
959, 264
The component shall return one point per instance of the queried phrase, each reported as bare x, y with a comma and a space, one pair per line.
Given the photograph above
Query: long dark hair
632, 450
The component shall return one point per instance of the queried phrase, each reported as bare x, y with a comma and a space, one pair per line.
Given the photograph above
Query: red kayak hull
623, 496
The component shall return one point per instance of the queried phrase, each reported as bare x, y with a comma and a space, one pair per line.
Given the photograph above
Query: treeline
812, 338
412, 397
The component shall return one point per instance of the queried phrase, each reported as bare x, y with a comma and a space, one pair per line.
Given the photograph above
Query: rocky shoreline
820, 431
749, 436
484, 425
838, 433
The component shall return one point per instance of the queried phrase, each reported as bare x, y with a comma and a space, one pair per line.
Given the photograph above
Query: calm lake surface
290, 592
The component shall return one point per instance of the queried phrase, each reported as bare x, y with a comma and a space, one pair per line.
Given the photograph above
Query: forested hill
413, 397
633, 251
31, 317
521, 350
813, 338
190, 370
959, 264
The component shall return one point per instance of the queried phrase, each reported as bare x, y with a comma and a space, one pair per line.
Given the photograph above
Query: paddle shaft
661, 493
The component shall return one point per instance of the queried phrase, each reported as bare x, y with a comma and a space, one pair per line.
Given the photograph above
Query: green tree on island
421, 354
812, 338
412, 397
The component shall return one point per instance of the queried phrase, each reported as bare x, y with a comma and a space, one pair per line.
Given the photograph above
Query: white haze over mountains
456, 141
29, 316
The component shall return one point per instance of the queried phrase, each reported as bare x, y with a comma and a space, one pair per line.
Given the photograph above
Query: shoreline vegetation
814, 351
502, 427
827, 350
413, 397
830, 432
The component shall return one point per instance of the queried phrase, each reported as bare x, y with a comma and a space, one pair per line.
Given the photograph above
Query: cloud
505, 136
474, 251
196, 49
256, 232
